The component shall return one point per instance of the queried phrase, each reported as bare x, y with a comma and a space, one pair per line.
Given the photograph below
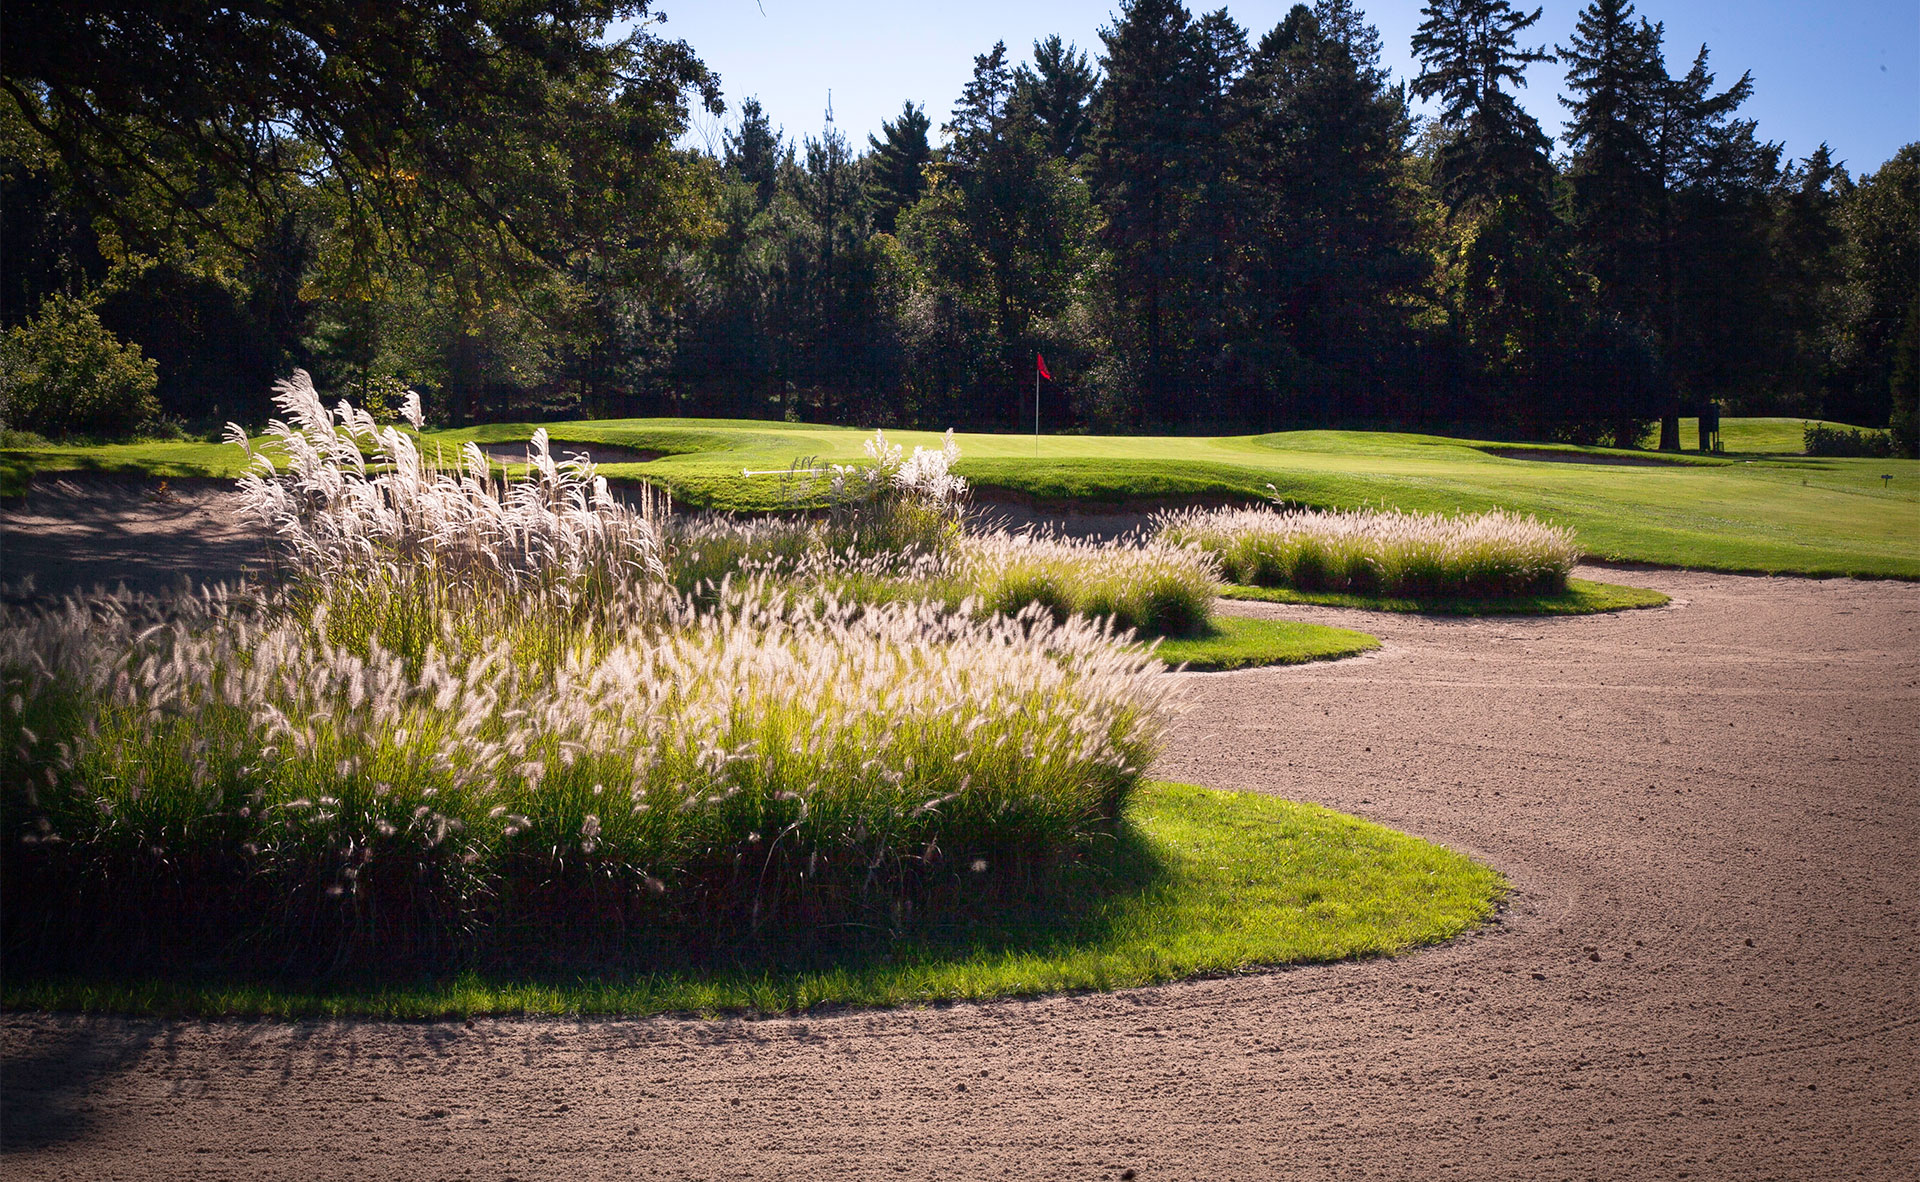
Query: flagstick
1036, 410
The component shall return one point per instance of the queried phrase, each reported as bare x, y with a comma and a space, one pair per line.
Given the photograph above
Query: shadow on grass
1582, 597
1190, 882
1033, 918
1246, 642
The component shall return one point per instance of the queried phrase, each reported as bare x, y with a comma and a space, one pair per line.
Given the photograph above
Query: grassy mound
1193, 882
1761, 507
1239, 642
1582, 597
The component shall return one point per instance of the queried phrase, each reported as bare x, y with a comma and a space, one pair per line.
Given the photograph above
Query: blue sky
1846, 72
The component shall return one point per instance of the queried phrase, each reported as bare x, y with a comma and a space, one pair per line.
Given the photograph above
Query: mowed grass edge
1208, 883
1582, 597
1243, 642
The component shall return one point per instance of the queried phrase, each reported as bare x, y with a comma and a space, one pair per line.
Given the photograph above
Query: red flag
1042, 363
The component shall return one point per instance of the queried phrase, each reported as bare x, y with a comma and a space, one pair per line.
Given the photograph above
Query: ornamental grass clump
1388, 552
890, 524
476, 726
355, 509
213, 777
1155, 587
897, 503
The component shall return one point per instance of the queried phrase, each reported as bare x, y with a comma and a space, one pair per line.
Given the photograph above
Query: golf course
1759, 506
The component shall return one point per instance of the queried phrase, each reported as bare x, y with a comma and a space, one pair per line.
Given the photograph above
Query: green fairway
1197, 881
1760, 510
1582, 597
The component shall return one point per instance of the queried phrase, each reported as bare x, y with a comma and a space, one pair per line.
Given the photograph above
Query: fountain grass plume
1151, 586
1388, 552
222, 778
1138, 585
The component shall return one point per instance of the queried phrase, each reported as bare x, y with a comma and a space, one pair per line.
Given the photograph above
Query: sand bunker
1710, 965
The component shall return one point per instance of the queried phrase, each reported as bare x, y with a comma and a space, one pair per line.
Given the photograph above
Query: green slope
1752, 510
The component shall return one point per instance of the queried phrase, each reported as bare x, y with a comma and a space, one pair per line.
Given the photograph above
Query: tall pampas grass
1380, 551
353, 497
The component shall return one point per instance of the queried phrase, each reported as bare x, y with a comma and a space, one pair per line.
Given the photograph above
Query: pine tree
1000, 234
753, 151
1211, 342
1875, 352
1334, 236
1807, 240
1470, 57
1143, 159
1057, 91
1617, 78
1714, 326
897, 173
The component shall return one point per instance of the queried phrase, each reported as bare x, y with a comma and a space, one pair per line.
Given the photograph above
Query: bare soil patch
1709, 967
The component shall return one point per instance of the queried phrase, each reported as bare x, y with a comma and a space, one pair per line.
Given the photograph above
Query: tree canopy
1198, 224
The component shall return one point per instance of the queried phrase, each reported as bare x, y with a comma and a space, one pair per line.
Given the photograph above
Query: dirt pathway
1710, 967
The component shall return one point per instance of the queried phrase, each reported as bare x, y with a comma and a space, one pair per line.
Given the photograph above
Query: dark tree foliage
753, 152
1000, 235
1806, 246
46, 240
506, 148
897, 166
1613, 181
1058, 90
1880, 298
1715, 271
1471, 61
1517, 306
486, 200
460, 123
1210, 338
1333, 247
1141, 171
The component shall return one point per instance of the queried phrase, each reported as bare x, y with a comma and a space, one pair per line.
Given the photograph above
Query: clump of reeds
704, 552
894, 533
896, 504
1149, 587
1381, 551
890, 522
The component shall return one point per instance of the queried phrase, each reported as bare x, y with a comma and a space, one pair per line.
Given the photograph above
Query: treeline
1199, 228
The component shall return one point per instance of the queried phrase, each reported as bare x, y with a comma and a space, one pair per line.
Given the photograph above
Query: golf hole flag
1039, 371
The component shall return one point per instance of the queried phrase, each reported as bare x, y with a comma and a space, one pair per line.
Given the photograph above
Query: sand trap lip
1711, 963
1547, 456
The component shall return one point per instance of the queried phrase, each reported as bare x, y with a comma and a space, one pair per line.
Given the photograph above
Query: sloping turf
1747, 510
